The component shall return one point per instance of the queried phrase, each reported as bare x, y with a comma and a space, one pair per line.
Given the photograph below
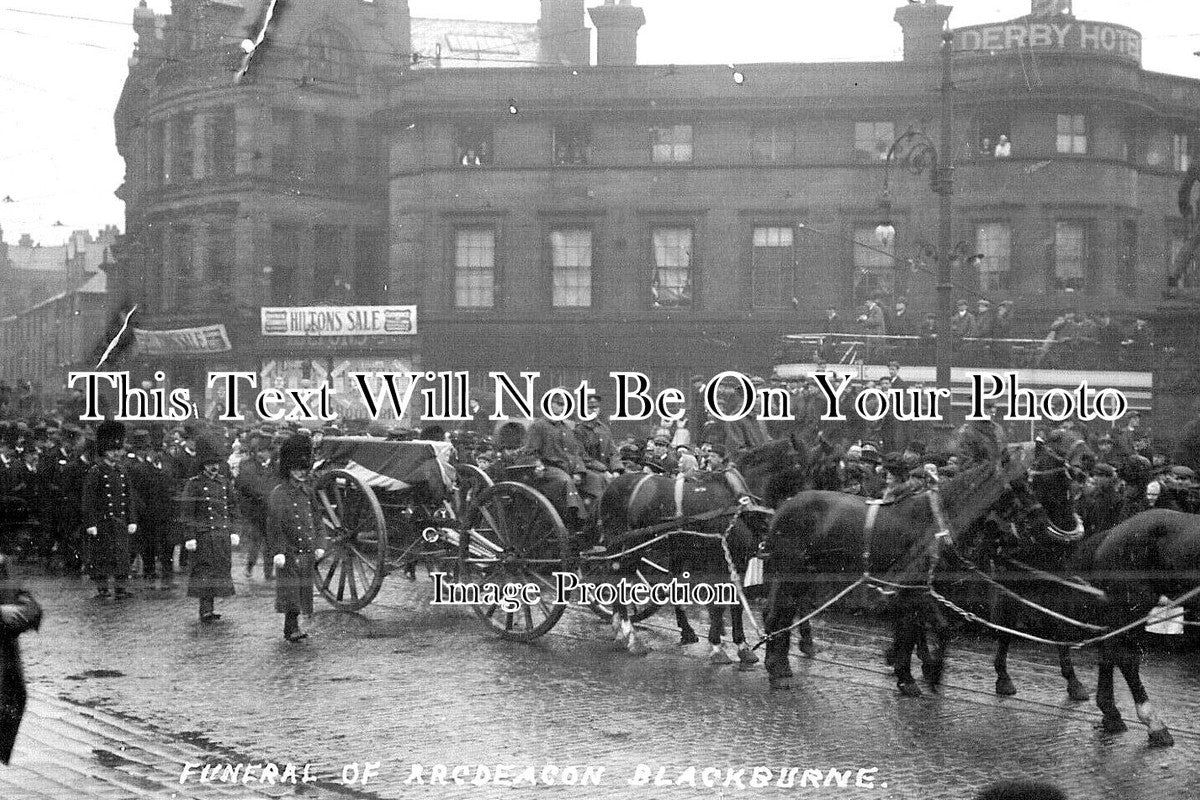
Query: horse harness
934, 497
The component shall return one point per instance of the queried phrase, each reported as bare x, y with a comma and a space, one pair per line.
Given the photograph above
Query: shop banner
339, 321
183, 341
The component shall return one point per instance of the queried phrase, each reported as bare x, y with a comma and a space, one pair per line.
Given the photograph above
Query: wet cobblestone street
125, 694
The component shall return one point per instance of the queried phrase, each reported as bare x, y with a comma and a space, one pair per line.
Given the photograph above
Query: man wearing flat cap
294, 534
109, 511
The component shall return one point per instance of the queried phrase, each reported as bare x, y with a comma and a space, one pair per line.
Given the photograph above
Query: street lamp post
918, 153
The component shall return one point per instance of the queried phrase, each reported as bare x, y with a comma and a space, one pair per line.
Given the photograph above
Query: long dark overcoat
12, 675
292, 530
204, 516
108, 505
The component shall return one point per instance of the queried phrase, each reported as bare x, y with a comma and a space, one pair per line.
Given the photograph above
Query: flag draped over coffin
390, 465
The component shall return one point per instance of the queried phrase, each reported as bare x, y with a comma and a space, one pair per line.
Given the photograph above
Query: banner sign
1053, 35
183, 341
340, 321
1051, 8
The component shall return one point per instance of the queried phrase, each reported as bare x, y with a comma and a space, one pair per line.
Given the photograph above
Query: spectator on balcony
1002, 329
985, 320
927, 338
901, 323
1108, 335
1003, 147
962, 323
873, 323
1140, 339
833, 326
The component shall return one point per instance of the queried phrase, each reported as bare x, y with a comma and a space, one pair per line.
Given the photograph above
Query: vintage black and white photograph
580, 399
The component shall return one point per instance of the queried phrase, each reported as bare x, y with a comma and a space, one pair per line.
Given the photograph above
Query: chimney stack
922, 24
617, 26
563, 36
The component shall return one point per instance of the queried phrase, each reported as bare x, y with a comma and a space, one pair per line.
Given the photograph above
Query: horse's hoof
1113, 725
688, 637
638, 649
909, 689
1161, 738
809, 649
719, 657
747, 656
1005, 687
781, 681
1076, 692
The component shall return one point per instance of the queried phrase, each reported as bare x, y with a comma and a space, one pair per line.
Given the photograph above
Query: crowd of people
983, 335
152, 504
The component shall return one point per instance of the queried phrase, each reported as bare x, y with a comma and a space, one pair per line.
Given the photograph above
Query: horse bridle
1073, 474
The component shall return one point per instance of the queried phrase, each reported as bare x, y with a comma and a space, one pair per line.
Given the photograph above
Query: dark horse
822, 542
1034, 562
691, 515
1152, 554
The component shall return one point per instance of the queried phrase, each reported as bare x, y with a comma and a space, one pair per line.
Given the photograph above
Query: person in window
470, 158
985, 147
1003, 147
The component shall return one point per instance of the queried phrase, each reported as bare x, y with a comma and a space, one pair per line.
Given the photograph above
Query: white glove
318, 554
234, 539
12, 614
190, 545
279, 560
132, 527
92, 531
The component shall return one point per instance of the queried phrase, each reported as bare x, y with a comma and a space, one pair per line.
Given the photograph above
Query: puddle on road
96, 673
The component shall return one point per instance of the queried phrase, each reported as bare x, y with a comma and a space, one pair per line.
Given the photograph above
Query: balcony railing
1068, 354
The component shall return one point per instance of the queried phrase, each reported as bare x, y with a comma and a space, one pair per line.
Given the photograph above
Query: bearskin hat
295, 453
209, 451
109, 436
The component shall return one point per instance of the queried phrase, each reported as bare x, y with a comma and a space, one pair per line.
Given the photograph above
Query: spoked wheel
640, 612
513, 537
352, 569
470, 480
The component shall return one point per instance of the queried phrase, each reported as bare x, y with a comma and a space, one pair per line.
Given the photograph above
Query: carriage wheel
470, 480
352, 569
513, 536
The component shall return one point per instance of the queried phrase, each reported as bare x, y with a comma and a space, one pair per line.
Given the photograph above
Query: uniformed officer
154, 487
561, 456
257, 476
204, 514
109, 511
294, 536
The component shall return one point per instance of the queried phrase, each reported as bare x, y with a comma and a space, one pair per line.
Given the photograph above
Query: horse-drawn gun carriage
390, 505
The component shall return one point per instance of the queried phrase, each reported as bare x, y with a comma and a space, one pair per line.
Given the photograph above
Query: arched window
331, 60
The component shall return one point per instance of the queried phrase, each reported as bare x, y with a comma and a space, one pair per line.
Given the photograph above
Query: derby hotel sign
1051, 35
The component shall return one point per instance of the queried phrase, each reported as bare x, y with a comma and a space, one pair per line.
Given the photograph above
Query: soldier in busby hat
296, 541
204, 513
109, 511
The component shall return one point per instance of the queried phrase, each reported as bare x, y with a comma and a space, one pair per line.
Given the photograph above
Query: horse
721, 516
1152, 554
1033, 563
828, 540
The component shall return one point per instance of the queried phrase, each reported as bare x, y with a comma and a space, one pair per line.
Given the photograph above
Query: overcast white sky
60, 78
